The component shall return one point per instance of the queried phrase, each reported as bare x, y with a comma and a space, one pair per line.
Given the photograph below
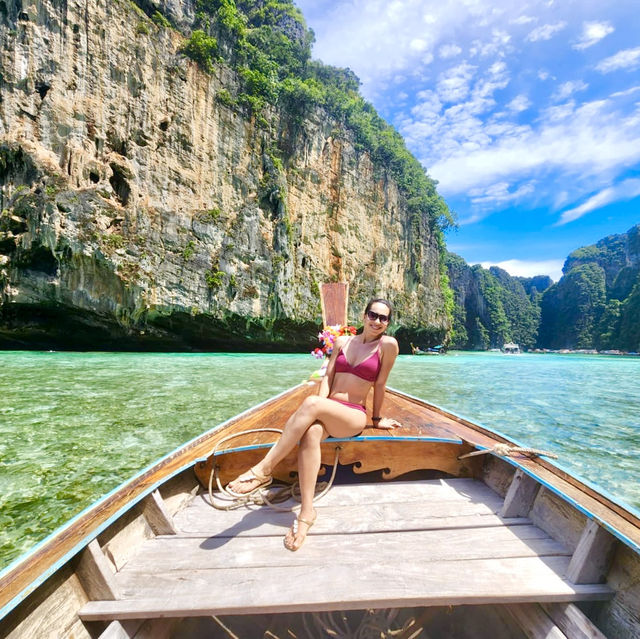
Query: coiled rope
506, 449
261, 497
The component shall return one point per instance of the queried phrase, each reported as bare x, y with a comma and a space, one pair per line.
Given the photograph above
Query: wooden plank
520, 496
95, 573
54, 606
402, 506
535, 623
157, 516
348, 587
592, 558
572, 621
561, 520
334, 298
263, 522
176, 554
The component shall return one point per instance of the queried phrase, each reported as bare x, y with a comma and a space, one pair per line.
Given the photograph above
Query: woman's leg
338, 420
308, 467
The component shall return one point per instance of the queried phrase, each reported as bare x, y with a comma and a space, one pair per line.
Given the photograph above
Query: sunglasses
374, 316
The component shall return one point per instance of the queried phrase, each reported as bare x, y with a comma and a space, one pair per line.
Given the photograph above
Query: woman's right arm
327, 380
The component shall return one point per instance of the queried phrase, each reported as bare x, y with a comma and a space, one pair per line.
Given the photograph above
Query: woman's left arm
389, 349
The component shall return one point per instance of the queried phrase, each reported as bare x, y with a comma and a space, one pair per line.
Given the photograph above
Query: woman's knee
313, 435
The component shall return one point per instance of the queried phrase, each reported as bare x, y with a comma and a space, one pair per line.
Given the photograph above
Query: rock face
596, 303
492, 307
141, 210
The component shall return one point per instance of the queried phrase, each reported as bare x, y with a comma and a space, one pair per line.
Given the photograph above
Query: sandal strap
306, 521
251, 475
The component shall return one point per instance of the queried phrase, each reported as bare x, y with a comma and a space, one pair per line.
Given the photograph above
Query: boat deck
415, 543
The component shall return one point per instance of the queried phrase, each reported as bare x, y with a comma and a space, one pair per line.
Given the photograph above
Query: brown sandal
294, 530
250, 475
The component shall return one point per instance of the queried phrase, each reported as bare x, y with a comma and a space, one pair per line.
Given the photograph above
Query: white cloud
529, 268
500, 194
627, 59
546, 31
630, 91
569, 88
524, 20
593, 32
449, 51
453, 84
589, 141
497, 45
417, 44
519, 103
626, 190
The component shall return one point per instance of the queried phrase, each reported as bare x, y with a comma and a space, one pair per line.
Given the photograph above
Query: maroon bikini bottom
349, 404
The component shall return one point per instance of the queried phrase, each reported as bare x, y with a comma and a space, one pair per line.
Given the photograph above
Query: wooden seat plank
368, 507
348, 587
393, 549
364, 519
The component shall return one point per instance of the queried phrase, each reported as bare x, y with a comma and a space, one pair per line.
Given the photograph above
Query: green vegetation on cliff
596, 304
491, 307
269, 44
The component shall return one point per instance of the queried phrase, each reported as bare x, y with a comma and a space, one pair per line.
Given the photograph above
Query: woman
357, 363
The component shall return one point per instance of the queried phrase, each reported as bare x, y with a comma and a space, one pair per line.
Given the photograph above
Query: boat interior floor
412, 543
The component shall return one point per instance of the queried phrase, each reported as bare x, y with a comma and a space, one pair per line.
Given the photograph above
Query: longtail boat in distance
439, 528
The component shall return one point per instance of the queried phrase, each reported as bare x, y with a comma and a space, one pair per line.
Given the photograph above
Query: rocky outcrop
491, 307
596, 303
142, 209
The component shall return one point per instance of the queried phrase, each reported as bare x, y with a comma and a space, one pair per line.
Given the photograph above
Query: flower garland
328, 337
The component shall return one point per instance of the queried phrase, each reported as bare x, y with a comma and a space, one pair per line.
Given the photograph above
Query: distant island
594, 307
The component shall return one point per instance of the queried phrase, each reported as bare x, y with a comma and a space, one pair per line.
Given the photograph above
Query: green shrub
214, 278
202, 49
161, 20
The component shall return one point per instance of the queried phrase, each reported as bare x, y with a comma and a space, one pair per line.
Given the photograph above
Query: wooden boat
417, 537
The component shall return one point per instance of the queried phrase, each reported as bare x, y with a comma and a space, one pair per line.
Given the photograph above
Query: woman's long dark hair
381, 301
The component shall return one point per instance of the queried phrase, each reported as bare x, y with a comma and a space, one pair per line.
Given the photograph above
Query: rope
262, 497
506, 449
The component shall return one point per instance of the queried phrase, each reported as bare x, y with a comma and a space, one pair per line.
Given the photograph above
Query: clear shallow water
73, 426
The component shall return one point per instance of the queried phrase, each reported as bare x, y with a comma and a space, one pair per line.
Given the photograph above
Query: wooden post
593, 555
334, 299
157, 515
95, 574
520, 496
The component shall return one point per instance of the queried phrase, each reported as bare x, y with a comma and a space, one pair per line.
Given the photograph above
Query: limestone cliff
142, 209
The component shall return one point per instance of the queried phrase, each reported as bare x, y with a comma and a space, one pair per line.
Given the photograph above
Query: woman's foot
248, 482
298, 532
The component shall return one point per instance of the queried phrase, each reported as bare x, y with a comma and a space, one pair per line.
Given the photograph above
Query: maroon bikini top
367, 370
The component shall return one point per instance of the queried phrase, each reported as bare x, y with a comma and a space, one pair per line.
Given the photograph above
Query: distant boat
432, 350
511, 349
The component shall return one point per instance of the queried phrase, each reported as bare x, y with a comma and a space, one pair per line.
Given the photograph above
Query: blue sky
528, 113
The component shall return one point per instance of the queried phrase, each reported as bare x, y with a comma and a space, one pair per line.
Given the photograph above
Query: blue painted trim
365, 438
9, 606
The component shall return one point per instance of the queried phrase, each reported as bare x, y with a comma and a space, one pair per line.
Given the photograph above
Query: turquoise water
75, 425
